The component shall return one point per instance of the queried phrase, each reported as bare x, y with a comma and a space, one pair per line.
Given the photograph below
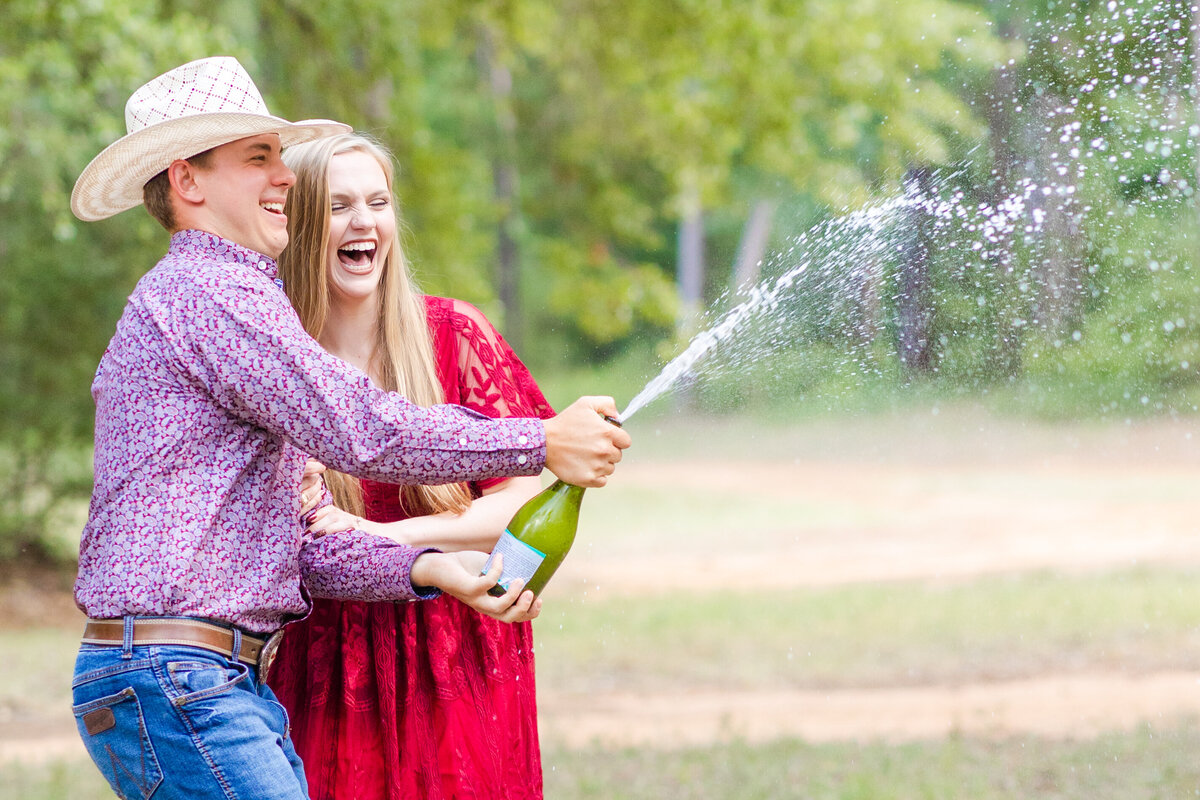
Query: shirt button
522, 439
522, 459
463, 441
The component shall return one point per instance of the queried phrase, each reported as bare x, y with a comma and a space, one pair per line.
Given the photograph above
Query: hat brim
113, 181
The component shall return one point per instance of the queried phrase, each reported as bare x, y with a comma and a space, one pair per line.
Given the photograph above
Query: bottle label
520, 560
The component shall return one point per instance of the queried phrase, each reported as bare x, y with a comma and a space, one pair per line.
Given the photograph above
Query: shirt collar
209, 245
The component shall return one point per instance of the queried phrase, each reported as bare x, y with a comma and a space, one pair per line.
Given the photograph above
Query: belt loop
237, 644
127, 639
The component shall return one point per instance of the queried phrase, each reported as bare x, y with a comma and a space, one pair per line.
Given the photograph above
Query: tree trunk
691, 259
1058, 271
1004, 356
914, 310
868, 303
690, 281
505, 185
753, 245
1195, 84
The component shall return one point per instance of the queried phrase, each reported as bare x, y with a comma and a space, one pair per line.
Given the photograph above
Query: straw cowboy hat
186, 111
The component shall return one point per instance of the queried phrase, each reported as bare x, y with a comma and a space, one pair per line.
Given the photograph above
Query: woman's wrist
428, 570
397, 531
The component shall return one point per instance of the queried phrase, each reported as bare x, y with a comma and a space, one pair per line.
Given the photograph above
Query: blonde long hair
403, 354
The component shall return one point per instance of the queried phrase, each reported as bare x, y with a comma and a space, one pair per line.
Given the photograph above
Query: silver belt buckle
267, 657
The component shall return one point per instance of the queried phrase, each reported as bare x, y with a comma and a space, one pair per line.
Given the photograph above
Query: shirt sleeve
238, 337
490, 378
352, 565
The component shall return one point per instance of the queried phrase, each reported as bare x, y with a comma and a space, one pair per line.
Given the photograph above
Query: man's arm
352, 565
237, 335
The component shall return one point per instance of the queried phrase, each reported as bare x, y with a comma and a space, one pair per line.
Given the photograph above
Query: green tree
65, 72
1097, 110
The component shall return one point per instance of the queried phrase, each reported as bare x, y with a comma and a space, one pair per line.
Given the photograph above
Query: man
208, 399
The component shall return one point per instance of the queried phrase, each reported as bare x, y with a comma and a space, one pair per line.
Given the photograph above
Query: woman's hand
457, 574
331, 519
312, 486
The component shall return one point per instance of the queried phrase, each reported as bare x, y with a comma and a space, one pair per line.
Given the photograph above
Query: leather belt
255, 651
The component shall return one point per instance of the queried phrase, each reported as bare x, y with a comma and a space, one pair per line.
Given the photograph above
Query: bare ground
1000, 499
1052, 706
910, 510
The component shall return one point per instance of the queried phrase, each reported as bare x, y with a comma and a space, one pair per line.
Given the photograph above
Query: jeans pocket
283, 715
113, 729
192, 681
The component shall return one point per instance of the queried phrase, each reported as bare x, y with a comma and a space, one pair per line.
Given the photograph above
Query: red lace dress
428, 699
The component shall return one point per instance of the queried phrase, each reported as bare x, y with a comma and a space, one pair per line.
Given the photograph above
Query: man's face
245, 184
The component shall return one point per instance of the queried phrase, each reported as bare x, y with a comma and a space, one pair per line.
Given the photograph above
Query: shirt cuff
352, 565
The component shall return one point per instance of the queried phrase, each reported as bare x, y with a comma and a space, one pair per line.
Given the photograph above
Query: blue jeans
182, 722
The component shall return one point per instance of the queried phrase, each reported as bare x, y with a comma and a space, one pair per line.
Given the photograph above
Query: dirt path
1053, 706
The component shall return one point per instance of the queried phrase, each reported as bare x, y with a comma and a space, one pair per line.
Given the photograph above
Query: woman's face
362, 226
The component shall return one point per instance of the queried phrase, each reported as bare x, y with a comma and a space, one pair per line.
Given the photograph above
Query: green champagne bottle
538, 537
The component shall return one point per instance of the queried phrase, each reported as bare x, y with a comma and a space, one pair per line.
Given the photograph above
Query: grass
35, 673
1147, 764
1142, 765
854, 635
897, 634
859, 635
924, 429
57, 780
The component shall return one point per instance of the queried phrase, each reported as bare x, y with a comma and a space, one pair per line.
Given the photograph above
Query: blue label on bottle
520, 560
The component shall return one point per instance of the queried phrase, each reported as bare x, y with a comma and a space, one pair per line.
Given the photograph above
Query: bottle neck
562, 487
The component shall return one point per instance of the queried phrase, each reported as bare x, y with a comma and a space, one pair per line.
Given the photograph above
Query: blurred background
944, 441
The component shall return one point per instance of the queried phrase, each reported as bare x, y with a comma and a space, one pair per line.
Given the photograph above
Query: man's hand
457, 574
581, 448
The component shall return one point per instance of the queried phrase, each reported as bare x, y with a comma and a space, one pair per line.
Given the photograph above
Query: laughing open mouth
357, 254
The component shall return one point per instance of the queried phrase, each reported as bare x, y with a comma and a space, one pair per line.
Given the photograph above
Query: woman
430, 699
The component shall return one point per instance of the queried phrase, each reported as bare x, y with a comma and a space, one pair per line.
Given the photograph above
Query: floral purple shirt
208, 399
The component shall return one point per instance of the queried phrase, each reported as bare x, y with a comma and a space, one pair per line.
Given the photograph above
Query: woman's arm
485, 375
477, 528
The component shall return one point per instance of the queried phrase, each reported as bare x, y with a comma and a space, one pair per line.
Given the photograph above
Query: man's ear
182, 175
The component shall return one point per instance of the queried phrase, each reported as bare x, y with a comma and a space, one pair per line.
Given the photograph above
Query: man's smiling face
245, 184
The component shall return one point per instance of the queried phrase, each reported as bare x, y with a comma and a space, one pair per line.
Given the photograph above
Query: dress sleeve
480, 369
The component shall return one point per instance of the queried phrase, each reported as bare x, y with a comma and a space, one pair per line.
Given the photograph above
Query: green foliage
65, 72
604, 300
606, 114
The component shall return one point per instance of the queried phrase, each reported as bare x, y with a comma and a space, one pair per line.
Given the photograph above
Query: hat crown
208, 86
193, 108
